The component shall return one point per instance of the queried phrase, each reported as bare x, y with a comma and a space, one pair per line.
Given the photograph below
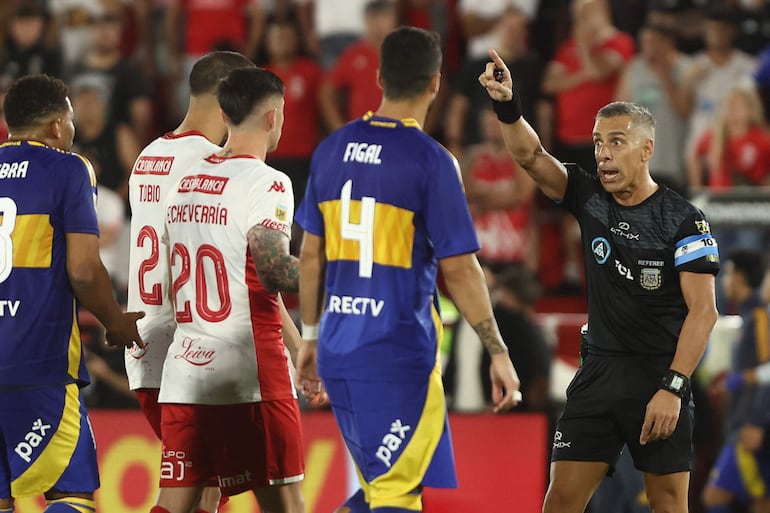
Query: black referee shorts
606, 403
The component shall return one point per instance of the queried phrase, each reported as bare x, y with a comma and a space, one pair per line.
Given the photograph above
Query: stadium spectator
747, 445
355, 73
407, 189
501, 199
480, 17
329, 27
130, 95
736, 149
26, 52
226, 393
112, 146
654, 79
73, 20
50, 210
302, 125
206, 25
713, 73
462, 126
651, 305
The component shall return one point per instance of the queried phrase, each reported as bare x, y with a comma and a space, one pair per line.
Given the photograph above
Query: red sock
159, 509
223, 499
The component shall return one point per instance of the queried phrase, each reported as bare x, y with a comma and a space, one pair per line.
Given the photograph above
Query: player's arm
291, 338
277, 269
662, 413
93, 288
466, 285
312, 265
520, 138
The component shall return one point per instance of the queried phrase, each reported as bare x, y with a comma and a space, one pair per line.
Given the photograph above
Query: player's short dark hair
640, 115
243, 89
751, 264
33, 98
210, 69
409, 58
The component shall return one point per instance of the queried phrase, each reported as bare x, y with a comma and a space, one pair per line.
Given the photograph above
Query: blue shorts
744, 474
397, 434
46, 442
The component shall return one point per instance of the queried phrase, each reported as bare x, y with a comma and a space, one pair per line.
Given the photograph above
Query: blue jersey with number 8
388, 201
44, 194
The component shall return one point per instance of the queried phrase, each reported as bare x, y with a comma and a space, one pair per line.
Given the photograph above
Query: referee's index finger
496, 57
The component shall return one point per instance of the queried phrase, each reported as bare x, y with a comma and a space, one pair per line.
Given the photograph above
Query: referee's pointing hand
501, 89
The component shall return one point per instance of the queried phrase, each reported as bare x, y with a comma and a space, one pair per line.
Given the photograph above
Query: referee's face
620, 154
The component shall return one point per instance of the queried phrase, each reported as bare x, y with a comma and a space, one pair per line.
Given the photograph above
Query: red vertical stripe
272, 364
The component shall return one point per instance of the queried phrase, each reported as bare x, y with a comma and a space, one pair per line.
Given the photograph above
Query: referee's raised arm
520, 138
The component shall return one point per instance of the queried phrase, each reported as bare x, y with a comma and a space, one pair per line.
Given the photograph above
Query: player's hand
500, 91
661, 417
124, 331
505, 383
751, 437
307, 379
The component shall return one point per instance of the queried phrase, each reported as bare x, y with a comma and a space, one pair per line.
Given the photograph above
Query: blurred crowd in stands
702, 67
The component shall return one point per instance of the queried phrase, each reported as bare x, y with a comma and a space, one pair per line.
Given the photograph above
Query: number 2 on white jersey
363, 232
8, 211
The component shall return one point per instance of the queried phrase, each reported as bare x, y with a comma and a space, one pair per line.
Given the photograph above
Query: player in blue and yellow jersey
49, 260
383, 211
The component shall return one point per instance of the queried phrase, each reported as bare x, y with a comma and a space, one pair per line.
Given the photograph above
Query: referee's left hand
661, 417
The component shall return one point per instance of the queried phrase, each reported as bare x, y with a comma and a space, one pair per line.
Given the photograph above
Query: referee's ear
648, 147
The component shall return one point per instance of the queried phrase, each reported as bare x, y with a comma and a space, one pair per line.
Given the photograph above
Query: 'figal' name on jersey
363, 153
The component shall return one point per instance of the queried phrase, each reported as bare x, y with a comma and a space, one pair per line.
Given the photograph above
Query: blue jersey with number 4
44, 194
388, 201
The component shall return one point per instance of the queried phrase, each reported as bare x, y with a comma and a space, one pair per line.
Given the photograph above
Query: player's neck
416, 109
203, 117
245, 143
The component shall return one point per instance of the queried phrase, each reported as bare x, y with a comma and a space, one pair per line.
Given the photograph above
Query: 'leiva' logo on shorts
194, 353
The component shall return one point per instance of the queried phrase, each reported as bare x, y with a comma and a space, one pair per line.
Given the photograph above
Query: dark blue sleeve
308, 214
78, 196
447, 218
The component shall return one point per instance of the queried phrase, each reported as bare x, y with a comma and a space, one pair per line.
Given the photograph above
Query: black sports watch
676, 383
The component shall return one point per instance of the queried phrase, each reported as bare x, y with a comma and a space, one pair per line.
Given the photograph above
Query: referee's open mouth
608, 175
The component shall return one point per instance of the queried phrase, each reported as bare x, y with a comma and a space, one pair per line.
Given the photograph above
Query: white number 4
363, 232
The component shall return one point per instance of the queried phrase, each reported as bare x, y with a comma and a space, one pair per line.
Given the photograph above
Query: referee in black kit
650, 265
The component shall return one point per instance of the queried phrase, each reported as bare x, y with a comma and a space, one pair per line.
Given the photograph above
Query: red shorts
148, 400
247, 446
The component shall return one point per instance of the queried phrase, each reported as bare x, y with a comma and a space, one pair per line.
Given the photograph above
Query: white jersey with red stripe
228, 346
156, 170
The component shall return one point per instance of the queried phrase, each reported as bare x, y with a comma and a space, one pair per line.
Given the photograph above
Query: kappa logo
277, 186
601, 250
558, 443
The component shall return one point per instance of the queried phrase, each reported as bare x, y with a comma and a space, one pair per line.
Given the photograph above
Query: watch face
677, 382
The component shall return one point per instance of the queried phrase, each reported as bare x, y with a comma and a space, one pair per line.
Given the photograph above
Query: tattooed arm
278, 271
465, 281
